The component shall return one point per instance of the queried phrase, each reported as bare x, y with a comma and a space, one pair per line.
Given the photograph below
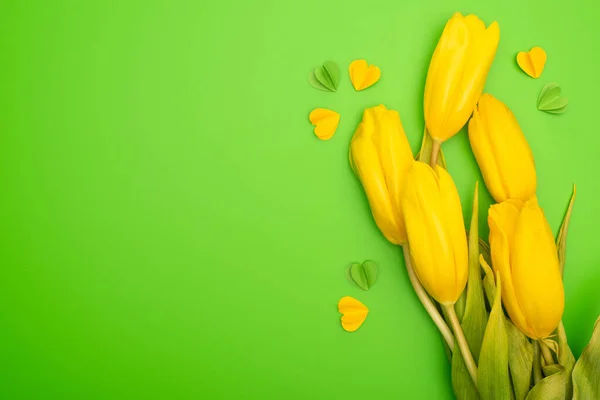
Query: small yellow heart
325, 122
532, 62
363, 75
353, 313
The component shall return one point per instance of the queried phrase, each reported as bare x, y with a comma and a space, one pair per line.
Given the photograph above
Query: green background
171, 227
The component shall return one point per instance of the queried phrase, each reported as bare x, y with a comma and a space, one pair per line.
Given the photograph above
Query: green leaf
520, 360
488, 280
364, 275
550, 388
565, 359
586, 374
462, 384
561, 239
424, 154
475, 315
550, 99
552, 369
494, 381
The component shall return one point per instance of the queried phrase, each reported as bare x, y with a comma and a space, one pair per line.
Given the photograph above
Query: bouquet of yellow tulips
498, 306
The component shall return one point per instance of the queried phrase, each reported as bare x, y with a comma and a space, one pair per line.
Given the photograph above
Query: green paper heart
314, 82
363, 275
551, 101
325, 77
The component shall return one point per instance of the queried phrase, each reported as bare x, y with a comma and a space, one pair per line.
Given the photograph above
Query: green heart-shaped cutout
363, 275
551, 100
326, 77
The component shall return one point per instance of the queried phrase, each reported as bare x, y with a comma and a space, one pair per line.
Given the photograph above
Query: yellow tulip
457, 74
436, 232
501, 151
381, 158
524, 253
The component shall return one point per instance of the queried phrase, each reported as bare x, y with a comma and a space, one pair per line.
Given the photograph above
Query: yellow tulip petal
353, 313
457, 73
437, 241
503, 220
363, 75
535, 271
325, 122
532, 62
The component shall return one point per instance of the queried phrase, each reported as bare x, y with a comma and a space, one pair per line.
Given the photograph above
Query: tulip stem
462, 342
537, 364
426, 301
435, 151
546, 353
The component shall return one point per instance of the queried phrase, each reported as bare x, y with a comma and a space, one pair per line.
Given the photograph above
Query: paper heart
325, 122
363, 275
353, 313
326, 77
363, 75
532, 62
551, 99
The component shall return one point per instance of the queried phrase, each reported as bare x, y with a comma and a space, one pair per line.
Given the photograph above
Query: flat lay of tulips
497, 302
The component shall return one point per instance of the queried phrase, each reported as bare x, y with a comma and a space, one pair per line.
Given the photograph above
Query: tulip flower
501, 151
457, 74
524, 253
436, 232
381, 158
438, 243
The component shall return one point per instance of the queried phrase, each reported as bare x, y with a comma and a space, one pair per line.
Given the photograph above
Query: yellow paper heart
363, 75
325, 122
353, 313
532, 62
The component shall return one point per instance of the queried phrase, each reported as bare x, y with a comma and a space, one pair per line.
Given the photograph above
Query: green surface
171, 227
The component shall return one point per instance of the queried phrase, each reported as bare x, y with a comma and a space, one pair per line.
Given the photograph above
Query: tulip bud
436, 232
524, 253
501, 151
457, 74
381, 158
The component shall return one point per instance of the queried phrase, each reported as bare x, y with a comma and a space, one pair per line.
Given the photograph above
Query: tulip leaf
494, 379
552, 369
475, 314
325, 77
363, 275
565, 358
520, 360
550, 99
424, 154
561, 239
549, 388
586, 381
462, 383
488, 280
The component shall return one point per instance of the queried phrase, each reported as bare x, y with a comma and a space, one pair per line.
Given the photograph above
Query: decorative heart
551, 100
532, 62
353, 313
325, 77
363, 75
325, 122
363, 275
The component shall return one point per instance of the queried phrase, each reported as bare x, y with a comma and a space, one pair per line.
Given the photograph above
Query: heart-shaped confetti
353, 313
325, 122
326, 77
363, 75
551, 99
363, 275
532, 62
